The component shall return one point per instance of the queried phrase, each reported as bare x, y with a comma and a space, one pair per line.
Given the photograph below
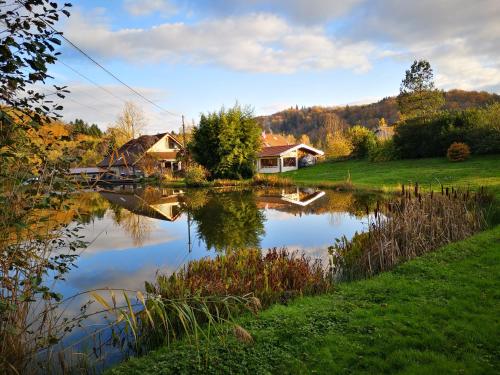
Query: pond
135, 233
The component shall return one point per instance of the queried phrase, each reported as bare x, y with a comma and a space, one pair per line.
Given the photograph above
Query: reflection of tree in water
137, 226
227, 220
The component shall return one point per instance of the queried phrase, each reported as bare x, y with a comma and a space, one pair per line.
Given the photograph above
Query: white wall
277, 169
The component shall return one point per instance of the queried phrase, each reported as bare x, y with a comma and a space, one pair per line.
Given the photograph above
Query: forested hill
298, 121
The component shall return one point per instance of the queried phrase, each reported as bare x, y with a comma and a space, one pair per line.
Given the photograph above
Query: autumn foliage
458, 152
271, 276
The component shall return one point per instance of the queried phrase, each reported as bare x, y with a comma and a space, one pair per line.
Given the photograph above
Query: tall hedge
479, 128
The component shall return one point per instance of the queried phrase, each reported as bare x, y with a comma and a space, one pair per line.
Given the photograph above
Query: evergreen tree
226, 143
418, 97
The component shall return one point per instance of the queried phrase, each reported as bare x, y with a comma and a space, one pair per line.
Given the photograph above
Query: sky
195, 56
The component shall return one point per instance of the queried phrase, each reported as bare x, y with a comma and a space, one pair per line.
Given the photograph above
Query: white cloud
459, 38
254, 43
147, 7
97, 106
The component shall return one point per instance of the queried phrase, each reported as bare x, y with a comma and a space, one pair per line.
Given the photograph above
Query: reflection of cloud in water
278, 215
313, 252
106, 234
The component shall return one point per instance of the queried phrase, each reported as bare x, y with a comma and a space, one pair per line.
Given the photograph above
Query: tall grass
406, 227
193, 302
268, 275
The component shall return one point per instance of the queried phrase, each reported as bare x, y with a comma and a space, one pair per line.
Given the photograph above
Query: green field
436, 314
433, 315
476, 172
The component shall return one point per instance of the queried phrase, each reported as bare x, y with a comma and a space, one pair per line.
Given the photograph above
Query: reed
406, 227
193, 302
272, 180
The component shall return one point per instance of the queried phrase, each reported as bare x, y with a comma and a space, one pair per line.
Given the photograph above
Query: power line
114, 76
92, 81
106, 70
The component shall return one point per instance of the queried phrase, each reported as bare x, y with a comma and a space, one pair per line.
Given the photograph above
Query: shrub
337, 146
458, 152
362, 139
478, 127
383, 150
269, 275
195, 175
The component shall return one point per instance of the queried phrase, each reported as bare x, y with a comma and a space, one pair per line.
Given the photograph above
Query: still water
133, 234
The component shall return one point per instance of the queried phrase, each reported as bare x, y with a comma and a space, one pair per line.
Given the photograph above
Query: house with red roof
278, 155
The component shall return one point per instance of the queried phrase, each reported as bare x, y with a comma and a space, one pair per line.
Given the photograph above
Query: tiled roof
131, 151
274, 150
271, 140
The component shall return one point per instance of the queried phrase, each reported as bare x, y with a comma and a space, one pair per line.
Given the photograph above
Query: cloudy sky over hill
194, 56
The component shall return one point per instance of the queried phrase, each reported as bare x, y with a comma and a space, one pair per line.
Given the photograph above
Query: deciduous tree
226, 142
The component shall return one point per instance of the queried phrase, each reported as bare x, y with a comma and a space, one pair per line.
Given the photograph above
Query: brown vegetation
408, 227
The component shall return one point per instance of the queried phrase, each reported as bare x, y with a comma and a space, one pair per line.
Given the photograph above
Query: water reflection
135, 233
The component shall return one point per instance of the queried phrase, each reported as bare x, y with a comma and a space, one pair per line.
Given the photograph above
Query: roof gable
132, 151
280, 150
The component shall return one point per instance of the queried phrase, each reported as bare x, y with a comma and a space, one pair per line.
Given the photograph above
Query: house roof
280, 150
271, 140
133, 150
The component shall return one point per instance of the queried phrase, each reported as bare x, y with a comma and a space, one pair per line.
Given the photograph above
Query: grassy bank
436, 314
476, 172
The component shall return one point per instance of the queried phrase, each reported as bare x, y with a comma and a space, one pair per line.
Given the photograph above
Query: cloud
97, 105
147, 7
262, 43
460, 38
300, 11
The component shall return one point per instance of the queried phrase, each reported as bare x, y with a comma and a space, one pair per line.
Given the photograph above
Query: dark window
289, 162
269, 163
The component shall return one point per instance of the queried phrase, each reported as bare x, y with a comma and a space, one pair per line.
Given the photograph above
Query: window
172, 145
289, 162
268, 163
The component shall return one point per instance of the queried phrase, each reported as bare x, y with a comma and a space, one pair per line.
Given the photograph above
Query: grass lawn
433, 315
475, 172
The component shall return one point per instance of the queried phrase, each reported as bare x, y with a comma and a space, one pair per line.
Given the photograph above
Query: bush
458, 152
362, 139
383, 150
337, 146
271, 276
478, 127
195, 175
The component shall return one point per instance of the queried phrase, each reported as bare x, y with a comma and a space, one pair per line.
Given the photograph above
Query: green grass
476, 172
433, 315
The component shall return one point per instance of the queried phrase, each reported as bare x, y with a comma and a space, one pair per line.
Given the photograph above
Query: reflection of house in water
162, 204
288, 198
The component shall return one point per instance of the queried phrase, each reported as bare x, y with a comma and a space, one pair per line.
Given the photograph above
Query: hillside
310, 120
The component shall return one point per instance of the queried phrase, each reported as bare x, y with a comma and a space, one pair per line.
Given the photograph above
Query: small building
144, 156
275, 159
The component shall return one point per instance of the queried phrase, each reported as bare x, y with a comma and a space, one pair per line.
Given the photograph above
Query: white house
275, 159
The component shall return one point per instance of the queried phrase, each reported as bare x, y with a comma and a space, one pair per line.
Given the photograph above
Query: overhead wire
106, 70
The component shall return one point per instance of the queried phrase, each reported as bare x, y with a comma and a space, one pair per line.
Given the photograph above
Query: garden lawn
433, 315
475, 172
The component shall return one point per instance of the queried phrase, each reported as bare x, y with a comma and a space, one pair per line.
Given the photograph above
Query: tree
129, 124
418, 97
337, 145
27, 46
226, 142
362, 139
81, 127
304, 138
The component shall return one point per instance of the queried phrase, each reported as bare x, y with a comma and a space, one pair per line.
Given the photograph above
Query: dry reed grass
409, 226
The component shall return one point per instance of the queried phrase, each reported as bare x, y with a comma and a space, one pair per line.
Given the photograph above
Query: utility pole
184, 151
